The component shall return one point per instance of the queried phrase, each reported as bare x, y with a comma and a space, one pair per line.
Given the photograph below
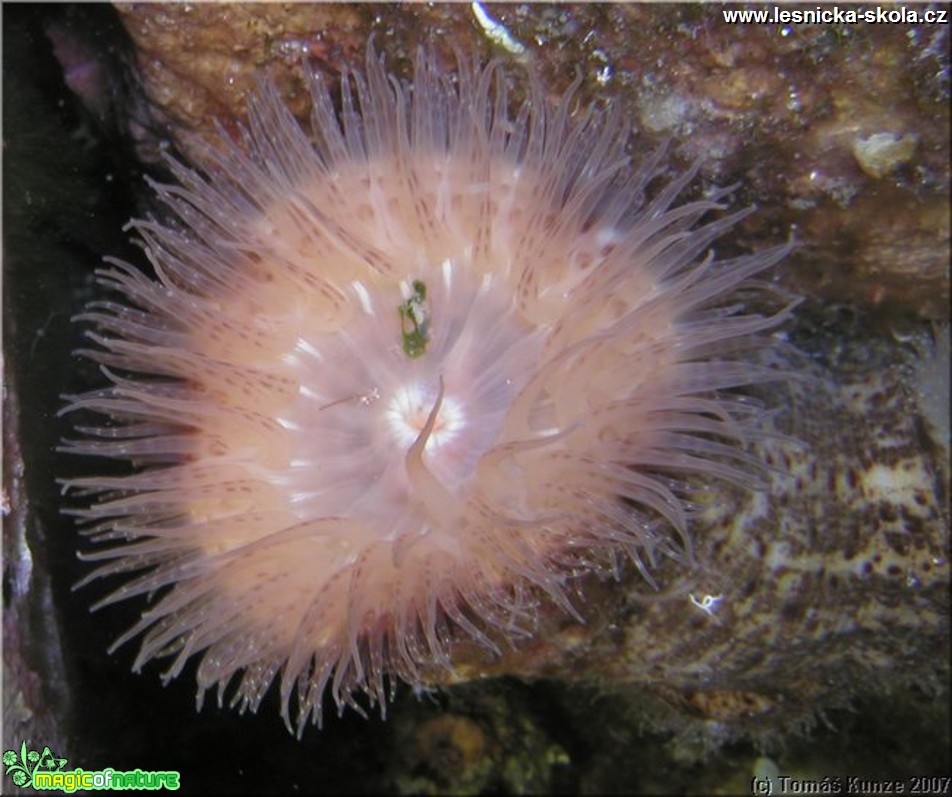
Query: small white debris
496, 31
707, 604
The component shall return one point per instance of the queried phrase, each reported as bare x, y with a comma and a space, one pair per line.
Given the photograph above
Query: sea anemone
405, 374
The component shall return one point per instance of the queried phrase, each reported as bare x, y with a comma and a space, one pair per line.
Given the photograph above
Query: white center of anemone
363, 400
409, 409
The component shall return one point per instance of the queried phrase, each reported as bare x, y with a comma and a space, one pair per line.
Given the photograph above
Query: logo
47, 772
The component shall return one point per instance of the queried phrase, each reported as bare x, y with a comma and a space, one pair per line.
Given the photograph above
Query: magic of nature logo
45, 771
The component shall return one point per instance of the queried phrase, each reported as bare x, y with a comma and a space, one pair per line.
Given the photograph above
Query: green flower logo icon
21, 766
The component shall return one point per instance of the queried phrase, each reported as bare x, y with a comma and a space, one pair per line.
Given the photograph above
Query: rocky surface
832, 583
839, 132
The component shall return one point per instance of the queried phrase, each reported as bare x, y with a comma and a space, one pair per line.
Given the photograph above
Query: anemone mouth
364, 400
413, 377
